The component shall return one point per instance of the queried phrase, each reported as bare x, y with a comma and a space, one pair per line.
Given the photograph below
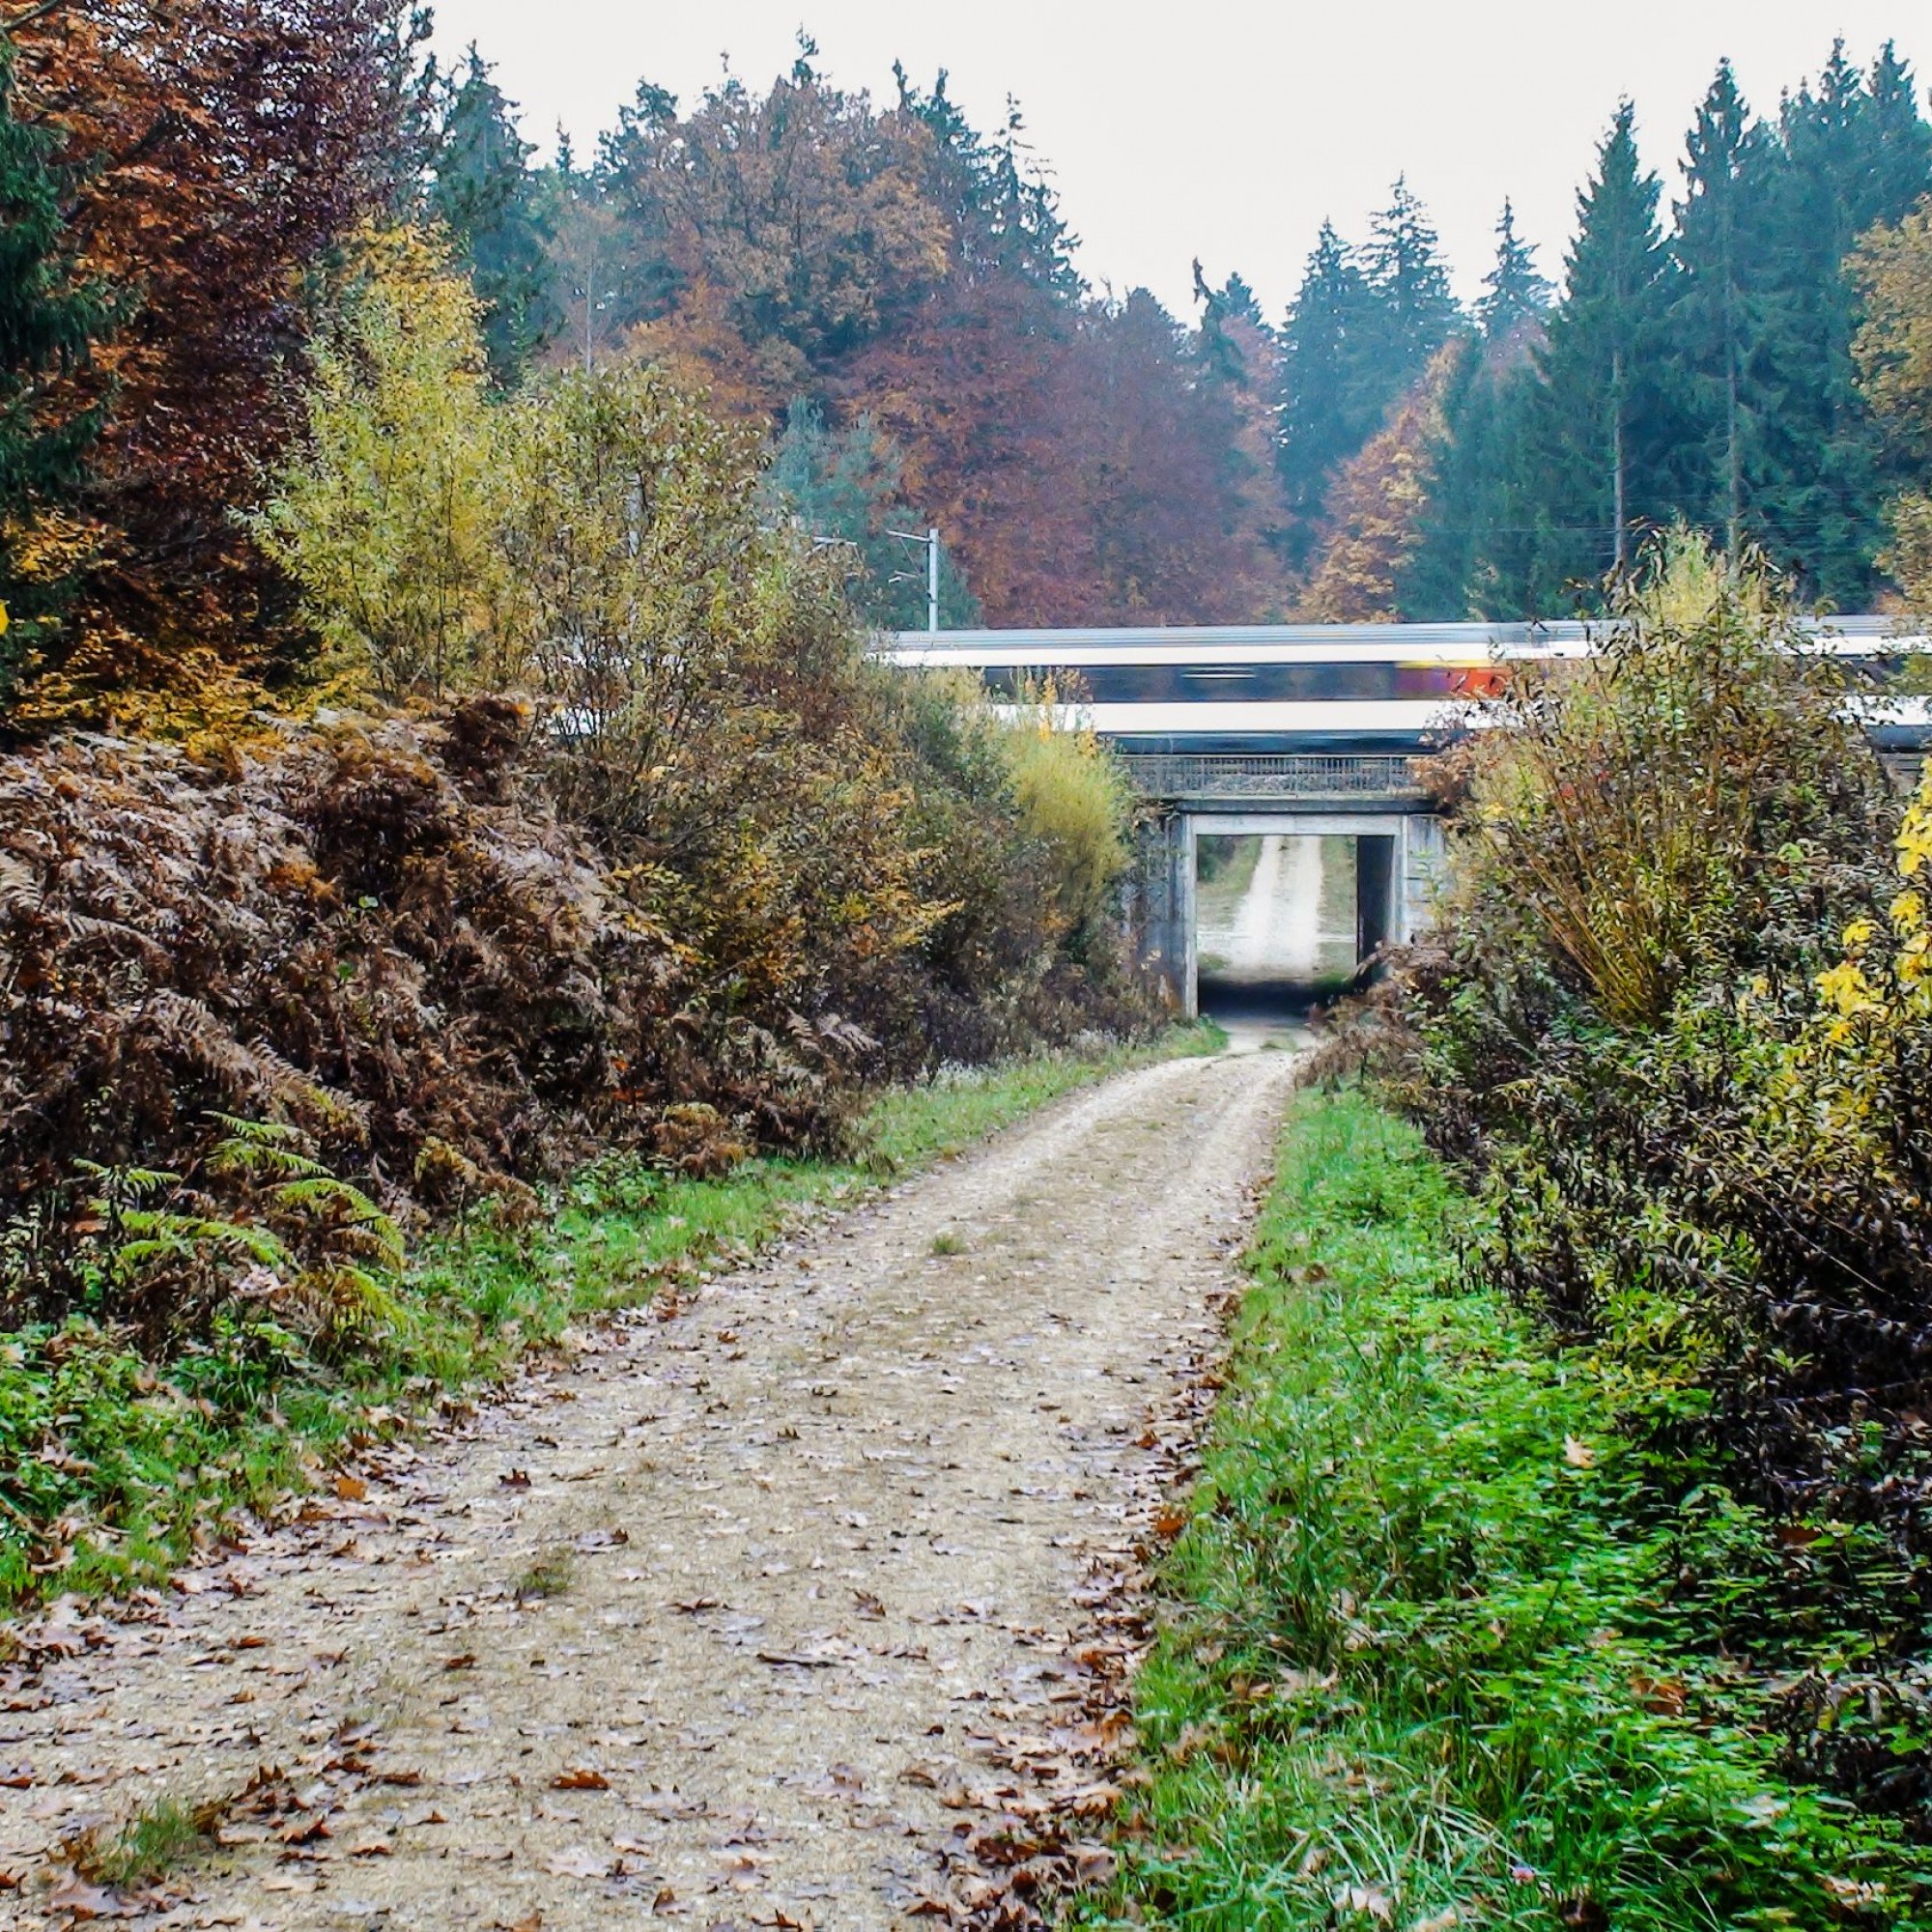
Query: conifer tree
1514, 293
1471, 559
49, 318
1602, 424
1720, 308
1414, 313
486, 196
1328, 407
1850, 155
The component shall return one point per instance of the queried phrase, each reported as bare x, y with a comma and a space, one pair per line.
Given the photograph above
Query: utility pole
929, 537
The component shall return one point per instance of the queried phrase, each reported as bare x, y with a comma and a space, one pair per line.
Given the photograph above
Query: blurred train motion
1333, 688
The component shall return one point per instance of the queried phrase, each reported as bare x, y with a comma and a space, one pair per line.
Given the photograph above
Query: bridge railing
1278, 775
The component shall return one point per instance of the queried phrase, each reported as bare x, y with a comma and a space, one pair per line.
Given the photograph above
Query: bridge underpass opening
1282, 919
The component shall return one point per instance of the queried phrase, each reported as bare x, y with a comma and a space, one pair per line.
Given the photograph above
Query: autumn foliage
212, 151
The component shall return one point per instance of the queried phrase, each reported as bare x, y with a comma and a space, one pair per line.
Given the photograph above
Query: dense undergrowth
116, 1464
1447, 1645
1676, 1026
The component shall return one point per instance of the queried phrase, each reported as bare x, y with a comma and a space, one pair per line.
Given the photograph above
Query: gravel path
797, 1607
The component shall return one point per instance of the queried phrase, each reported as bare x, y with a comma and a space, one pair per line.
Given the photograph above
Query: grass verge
113, 1469
1441, 1649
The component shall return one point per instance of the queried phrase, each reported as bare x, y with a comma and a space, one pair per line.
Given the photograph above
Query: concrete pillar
1422, 859
1160, 909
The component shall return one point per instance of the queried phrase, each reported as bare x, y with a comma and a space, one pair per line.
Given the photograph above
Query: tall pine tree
1514, 293
1850, 155
1329, 408
1601, 428
1473, 559
1721, 313
51, 316
1414, 312
484, 192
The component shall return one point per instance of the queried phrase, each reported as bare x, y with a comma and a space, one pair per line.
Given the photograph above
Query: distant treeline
889, 293
892, 290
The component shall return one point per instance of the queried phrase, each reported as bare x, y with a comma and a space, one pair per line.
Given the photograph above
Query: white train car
1329, 687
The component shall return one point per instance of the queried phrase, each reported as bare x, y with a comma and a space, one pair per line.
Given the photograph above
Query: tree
1414, 312
1601, 428
1894, 267
1850, 154
1718, 310
1471, 556
1375, 508
385, 516
1514, 293
218, 148
1002, 210
1239, 361
50, 318
842, 486
486, 197
1327, 408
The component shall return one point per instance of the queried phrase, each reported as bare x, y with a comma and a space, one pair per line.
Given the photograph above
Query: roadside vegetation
1446, 1645
120, 1461
1559, 1556
561, 931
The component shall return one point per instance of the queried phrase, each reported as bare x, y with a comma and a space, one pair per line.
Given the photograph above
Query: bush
1700, 1117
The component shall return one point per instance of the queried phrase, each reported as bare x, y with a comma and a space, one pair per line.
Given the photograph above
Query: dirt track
762, 1614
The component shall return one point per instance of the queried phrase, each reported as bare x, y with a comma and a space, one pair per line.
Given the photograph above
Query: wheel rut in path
709, 1621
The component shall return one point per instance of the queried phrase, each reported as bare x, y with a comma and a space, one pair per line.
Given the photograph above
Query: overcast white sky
1223, 131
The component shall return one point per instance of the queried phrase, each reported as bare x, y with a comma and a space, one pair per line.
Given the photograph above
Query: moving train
1332, 688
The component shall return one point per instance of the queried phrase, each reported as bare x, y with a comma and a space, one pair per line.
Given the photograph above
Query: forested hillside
887, 295
888, 292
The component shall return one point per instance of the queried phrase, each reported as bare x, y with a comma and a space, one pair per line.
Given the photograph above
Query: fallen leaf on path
351, 1488
82, 1901
515, 1479
534, 1923
578, 1862
594, 1540
581, 1777
467, 1661
372, 1848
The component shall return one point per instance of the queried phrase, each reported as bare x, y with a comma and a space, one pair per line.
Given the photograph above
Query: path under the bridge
760, 1614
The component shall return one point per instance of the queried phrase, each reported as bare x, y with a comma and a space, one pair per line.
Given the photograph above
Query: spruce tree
486, 195
1329, 407
1720, 311
1848, 155
1601, 426
1472, 560
1514, 293
1414, 311
50, 316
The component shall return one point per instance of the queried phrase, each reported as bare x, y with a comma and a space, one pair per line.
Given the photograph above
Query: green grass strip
114, 1469
1433, 1656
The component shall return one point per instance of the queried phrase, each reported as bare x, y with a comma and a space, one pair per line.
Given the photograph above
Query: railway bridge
1311, 730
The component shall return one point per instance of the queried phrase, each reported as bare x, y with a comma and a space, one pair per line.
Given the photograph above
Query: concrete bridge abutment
1399, 855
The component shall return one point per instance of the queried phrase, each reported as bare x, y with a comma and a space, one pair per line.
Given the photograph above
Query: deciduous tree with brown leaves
218, 148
